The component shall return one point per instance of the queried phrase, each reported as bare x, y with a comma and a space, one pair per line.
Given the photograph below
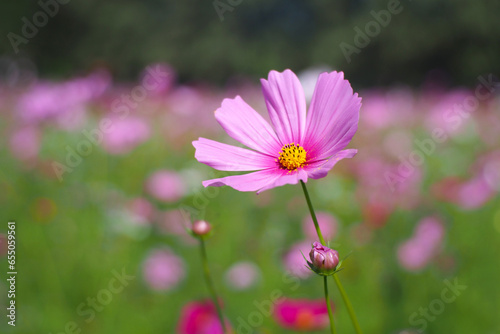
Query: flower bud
324, 259
201, 227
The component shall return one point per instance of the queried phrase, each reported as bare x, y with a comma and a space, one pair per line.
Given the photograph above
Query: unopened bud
324, 259
201, 227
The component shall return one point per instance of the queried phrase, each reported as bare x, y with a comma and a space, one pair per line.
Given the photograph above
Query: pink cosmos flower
302, 314
166, 186
242, 275
294, 260
327, 223
200, 318
415, 253
125, 134
141, 209
301, 145
25, 143
163, 270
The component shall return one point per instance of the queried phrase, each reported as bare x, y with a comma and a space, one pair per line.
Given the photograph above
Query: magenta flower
301, 145
301, 314
200, 317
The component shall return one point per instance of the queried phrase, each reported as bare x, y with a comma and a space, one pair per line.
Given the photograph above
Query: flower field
100, 177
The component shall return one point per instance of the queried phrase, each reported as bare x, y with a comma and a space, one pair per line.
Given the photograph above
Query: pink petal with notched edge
319, 169
286, 103
246, 182
230, 158
286, 177
247, 126
259, 181
333, 116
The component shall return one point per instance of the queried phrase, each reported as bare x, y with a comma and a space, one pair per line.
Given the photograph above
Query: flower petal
259, 181
230, 158
333, 116
246, 182
320, 168
286, 104
247, 126
286, 178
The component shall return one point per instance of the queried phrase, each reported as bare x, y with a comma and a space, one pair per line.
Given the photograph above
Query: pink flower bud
323, 258
201, 227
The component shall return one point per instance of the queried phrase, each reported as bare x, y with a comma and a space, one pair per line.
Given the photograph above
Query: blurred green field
72, 235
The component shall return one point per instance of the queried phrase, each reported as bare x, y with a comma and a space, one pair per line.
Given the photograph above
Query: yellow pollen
292, 156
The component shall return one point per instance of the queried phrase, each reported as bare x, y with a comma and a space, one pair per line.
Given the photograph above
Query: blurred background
99, 104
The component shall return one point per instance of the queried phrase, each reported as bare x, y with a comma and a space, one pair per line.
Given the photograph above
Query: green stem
313, 215
330, 313
347, 302
210, 284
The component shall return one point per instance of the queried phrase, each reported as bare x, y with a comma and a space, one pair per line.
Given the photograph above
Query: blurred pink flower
175, 222
327, 223
186, 100
149, 78
384, 109
172, 222
491, 170
384, 186
446, 189
302, 314
376, 213
242, 275
361, 233
376, 112
3, 244
445, 115
25, 143
478, 190
125, 134
163, 270
294, 261
141, 209
200, 317
47, 100
165, 186
474, 193
415, 253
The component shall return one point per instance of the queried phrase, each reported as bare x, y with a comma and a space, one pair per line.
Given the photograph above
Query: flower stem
347, 302
313, 215
329, 307
210, 284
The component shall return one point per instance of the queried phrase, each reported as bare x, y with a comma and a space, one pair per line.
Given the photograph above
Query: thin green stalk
210, 284
313, 215
330, 313
347, 302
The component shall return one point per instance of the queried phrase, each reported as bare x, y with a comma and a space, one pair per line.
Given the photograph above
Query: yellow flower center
292, 156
